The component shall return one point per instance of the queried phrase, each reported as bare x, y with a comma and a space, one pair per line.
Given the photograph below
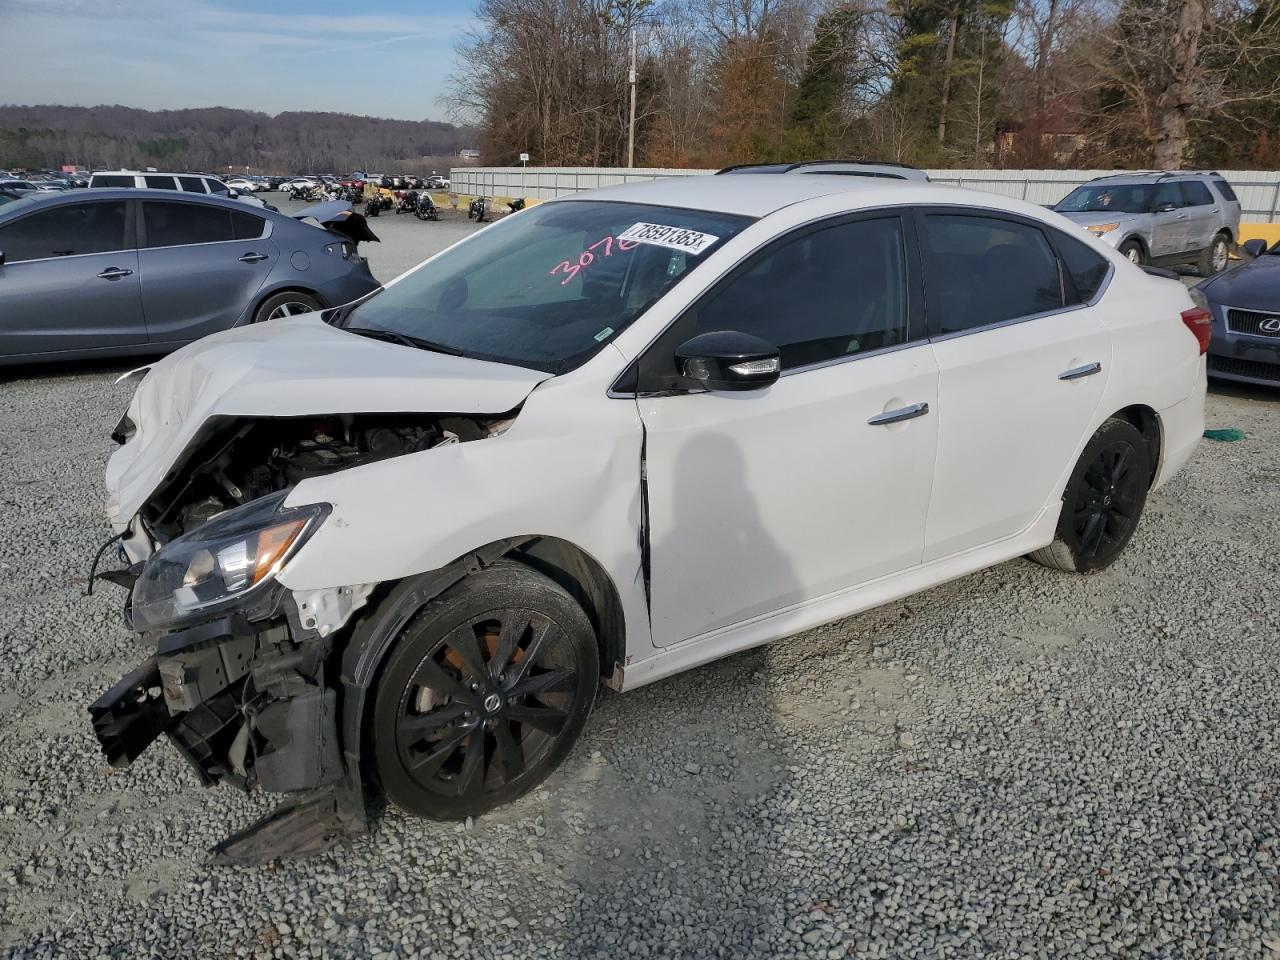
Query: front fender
568, 467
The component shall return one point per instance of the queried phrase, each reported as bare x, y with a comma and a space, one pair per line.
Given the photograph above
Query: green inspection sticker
604, 334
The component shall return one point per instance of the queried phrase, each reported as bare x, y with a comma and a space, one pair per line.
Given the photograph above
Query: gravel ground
1021, 763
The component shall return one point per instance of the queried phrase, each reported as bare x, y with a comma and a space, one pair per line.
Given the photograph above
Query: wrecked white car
396, 546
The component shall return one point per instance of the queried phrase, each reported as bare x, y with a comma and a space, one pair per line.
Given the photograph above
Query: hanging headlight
221, 561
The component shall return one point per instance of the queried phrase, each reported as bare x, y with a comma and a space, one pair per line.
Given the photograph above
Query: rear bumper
1182, 426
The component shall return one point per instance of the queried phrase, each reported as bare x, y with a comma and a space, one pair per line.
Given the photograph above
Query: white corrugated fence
1259, 190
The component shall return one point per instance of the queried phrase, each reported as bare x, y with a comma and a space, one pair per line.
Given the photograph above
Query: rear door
70, 280
1022, 362
202, 265
1168, 220
1202, 216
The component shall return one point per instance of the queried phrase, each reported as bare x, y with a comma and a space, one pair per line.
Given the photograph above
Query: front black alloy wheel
1103, 500
485, 692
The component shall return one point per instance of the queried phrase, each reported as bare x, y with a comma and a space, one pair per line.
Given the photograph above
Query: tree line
937, 83
213, 139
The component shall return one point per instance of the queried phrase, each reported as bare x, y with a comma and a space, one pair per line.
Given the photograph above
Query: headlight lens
1101, 228
221, 561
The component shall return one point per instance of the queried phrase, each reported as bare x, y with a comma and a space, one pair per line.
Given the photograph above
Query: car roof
1155, 176
751, 194
127, 193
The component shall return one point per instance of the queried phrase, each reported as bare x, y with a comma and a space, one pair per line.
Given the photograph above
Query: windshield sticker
676, 238
603, 247
604, 334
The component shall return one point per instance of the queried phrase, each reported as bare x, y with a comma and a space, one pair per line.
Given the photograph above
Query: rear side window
1225, 190
1196, 194
160, 182
191, 184
245, 226
1087, 268
826, 294
112, 180
65, 231
982, 270
178, 224
1167, 193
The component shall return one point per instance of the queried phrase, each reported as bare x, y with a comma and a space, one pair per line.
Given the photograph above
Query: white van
187, 182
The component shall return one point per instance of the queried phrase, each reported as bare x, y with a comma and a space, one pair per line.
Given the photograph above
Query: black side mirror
1165, 208
729, 360
1, 258
1254, 248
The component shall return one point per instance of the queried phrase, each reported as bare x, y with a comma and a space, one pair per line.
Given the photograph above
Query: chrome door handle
114, 273
897, 416
253, 258
1075, 373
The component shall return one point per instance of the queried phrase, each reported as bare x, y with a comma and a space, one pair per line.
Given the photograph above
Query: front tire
485, 692
1103, 500
1214, 258
1132, 250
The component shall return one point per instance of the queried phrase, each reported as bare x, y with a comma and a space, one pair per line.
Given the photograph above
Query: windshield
1107, 198
550, 287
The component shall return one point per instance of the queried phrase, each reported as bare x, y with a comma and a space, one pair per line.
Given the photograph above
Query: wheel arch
1140, 240
370, 638
262, 296
1147, 422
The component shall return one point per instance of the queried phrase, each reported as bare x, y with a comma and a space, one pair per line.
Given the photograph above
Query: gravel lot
1018, 764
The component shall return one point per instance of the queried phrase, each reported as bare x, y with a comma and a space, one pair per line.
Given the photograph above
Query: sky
385, 58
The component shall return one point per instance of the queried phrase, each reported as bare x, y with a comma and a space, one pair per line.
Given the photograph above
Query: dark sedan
1245, 304
116, 272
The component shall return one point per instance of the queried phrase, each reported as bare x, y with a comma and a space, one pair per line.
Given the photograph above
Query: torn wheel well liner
1147, 422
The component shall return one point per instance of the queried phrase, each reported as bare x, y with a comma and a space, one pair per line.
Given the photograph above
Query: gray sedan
122, 272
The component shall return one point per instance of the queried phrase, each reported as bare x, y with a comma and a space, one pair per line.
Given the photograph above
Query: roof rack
1158, 174
784, 166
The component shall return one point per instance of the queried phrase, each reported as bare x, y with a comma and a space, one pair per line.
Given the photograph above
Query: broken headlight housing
221, 562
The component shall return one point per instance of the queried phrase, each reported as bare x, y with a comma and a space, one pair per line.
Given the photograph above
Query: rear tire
1132, 250
485, 692
1214, 258
1103, 500
286, 304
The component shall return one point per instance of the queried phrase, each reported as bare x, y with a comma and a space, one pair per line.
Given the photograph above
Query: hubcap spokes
489, 702
1219, 257
1103, 513
290, 309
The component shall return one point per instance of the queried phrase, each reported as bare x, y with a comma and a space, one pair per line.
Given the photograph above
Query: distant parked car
1163, 219
184, 182
20, 187
126, 271
1245, 305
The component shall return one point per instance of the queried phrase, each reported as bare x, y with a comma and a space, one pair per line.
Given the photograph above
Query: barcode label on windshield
677, 238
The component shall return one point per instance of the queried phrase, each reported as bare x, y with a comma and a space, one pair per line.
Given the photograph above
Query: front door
1021, 375
70, 281
201, 267
763, 500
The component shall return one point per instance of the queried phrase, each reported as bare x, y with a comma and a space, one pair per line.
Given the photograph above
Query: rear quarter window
1224, 189
1087, 268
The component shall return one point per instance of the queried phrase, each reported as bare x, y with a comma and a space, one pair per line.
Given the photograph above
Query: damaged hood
292, 367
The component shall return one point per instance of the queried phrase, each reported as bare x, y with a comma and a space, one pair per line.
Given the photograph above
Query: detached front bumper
247, 704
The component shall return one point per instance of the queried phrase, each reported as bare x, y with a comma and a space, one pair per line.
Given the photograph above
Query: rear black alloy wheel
485, 692
1103, 500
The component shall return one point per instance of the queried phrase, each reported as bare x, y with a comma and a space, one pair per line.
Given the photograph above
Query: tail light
1200, 323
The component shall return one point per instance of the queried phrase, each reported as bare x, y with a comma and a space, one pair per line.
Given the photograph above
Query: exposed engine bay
233, 461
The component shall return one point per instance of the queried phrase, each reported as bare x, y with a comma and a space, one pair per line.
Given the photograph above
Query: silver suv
1160, 218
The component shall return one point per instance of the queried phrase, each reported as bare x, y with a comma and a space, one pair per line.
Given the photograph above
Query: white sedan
610, 438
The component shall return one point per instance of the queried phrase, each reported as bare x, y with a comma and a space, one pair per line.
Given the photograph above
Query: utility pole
631, 124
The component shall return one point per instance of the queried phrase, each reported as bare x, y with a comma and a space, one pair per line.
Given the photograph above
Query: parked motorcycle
426, 208
478, 208
406, 202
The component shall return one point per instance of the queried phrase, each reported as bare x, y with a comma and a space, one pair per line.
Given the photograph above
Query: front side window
548, 288
65, 231
217, 186
982, 270
1166, 195
179, 224
828, 293
191, 184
